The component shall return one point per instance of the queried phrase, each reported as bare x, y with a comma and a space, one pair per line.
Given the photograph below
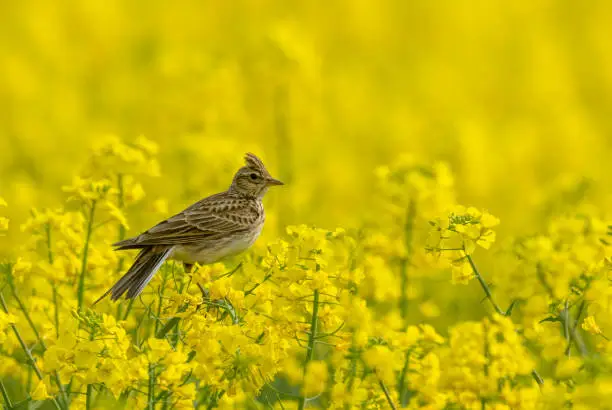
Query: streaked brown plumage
213, 228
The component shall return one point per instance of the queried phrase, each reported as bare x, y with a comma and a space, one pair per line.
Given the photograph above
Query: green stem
39, 339
536, 376
5, 396
566, 319
159, 307
129, 308
487, 291
484, 286
56, 312
49, 250
489, 295
387, 395
88, 398
50, 258
403, 303
574, 335
151, 392
89, 394
405, 263
23, 309
25, 349
29, 386
401, 386
566, 326
81, 289
312, 337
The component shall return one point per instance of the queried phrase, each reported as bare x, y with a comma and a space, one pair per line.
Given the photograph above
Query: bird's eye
253, 176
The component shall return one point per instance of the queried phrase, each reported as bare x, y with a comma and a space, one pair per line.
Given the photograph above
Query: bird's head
253, 179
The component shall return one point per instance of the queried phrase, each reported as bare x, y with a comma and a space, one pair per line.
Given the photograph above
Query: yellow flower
86, 353
430, 335
158, 348
89, 190
292, 370
132, 190
40, 391
57, 357
567, 367
339, 394
590, 325
6, 319
147, 145
22, 269
315, 379
319, 280
486, 239
488, 221
160, 206
429, 309
4, 224
383, 361
462, 273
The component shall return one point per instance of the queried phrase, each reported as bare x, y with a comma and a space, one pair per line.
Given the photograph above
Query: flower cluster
455, 236
319, 318
487, 362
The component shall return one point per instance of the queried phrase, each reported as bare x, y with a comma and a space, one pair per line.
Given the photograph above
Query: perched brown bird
213, 228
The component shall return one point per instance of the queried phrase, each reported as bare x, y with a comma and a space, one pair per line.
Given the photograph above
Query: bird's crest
255, 163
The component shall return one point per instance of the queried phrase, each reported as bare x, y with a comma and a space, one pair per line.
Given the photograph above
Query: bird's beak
272, 181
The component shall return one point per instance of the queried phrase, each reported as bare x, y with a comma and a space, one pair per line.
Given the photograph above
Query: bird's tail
147, 263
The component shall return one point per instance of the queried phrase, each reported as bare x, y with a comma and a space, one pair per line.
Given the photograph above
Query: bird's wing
211, 218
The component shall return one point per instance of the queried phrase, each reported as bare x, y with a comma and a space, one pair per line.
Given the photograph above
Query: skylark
216, 227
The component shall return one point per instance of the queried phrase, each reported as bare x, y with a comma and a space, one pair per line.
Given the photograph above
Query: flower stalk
405, 263
7, 400
39, 339
489, 296
312, 337
26, 350
387, 394
51, 259
406, 260
81, 288
484, 286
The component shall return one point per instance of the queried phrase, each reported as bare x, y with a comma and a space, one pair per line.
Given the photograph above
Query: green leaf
511, 307
167, 327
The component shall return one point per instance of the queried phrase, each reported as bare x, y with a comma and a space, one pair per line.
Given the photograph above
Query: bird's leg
188, 267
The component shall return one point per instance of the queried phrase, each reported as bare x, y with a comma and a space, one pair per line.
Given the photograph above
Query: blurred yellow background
515, 96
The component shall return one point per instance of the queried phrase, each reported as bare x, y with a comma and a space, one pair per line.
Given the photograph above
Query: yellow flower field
443, 239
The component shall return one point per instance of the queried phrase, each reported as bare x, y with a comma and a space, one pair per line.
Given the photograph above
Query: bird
210, 230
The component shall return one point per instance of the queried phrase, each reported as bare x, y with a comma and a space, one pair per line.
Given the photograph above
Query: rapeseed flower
590, 325
323, 316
